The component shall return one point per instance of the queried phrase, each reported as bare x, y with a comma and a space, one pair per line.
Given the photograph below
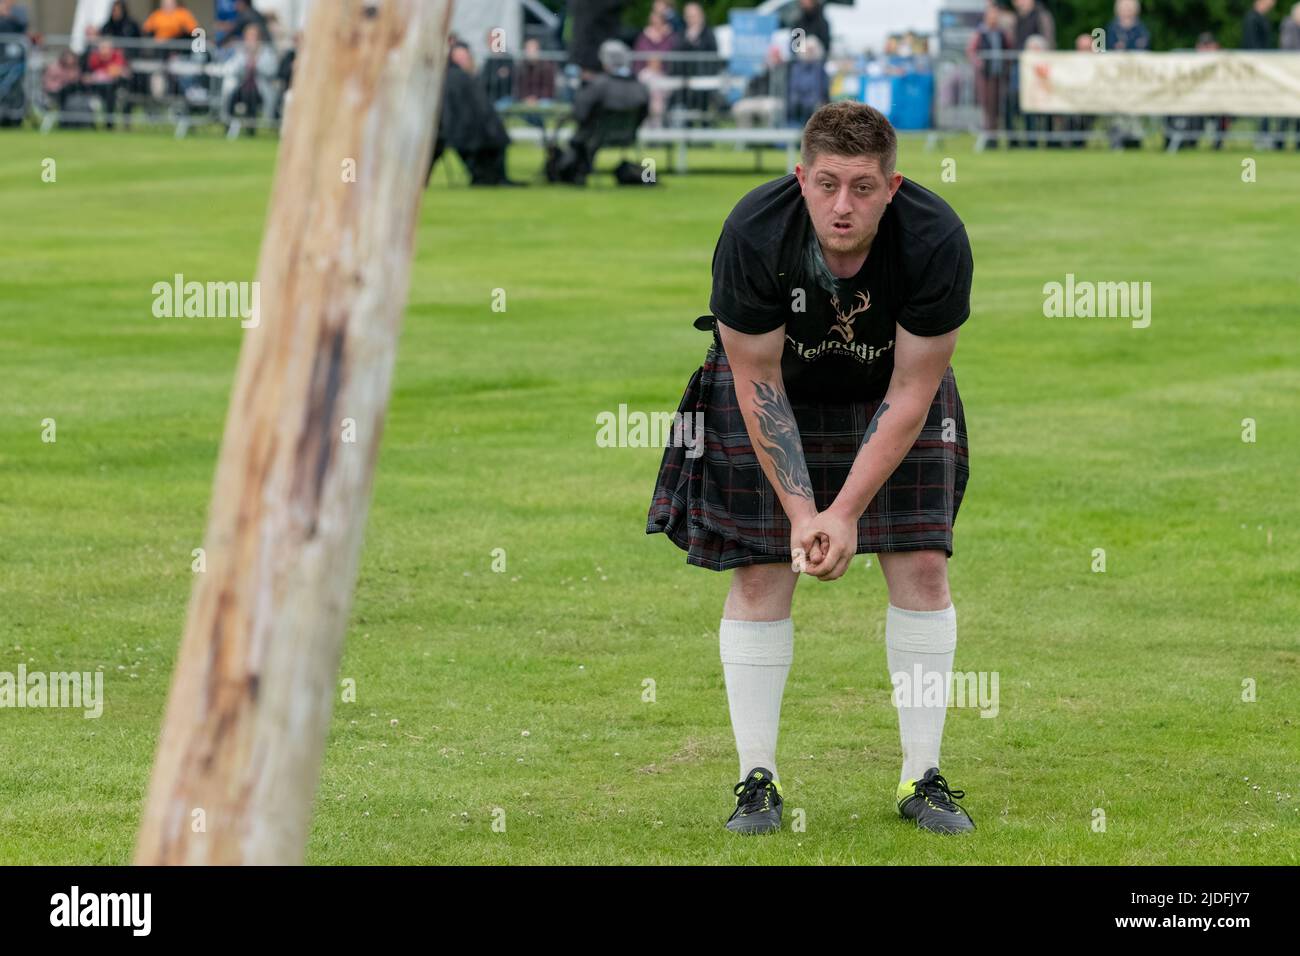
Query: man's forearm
772, 428
888, 438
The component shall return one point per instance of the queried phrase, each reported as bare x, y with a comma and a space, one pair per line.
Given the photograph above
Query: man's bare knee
761, 592
917, 580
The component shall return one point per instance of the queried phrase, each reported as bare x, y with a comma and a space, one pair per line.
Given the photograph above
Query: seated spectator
170, 21
657, 37
536, 78
809, 85
470, 125
62, 78
248, 90
1126, 33
106, 73
695, 38
498, 72
120, 24
92, 41
614, 91
760, 106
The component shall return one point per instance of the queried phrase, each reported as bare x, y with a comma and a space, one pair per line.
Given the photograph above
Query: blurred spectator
470, 125
1206, 43
657, 37
245, 16
1126, 32
62, 78
987, 53
1257, 34
171, 21
106, 73
1291, 30
536, 75
695, 38
120, 23
593, 22
1031, 19
813, 23
248, 91
1187, 131
1290, 40
284, 73
764, 102
498, 72
1256, 30
92, 41
612, 94
1079, 127
669, 10
122, 26
809, 84
13, 19
921, 61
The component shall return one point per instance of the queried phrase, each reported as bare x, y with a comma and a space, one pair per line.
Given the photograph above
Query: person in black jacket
470, 124
120, 24
594, 22
695, 38
812, 21
1257, 34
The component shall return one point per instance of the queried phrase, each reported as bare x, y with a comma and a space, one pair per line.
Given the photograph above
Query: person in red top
106, 73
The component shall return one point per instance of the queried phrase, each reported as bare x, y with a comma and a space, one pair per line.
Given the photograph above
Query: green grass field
523, 690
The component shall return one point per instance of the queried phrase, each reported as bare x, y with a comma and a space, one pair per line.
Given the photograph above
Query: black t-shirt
768, 270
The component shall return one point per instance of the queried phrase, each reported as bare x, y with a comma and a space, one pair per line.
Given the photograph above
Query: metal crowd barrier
990, 84
167, 84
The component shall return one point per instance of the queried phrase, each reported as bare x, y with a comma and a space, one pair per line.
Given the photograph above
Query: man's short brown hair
850, 129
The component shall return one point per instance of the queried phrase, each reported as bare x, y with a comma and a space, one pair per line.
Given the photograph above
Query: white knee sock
919, 648
756, 658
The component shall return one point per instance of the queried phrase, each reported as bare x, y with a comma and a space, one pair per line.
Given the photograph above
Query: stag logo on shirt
844, 323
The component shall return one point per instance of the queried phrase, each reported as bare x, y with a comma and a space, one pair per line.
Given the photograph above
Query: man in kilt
832, 427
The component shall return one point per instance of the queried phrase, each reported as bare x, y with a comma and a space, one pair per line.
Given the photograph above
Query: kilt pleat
722, 511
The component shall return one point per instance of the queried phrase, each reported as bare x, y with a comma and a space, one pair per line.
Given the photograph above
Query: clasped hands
823, 543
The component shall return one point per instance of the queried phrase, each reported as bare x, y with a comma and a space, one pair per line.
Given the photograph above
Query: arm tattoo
875, 419
781, 439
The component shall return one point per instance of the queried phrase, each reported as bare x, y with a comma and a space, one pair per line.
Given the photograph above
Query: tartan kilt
720, 508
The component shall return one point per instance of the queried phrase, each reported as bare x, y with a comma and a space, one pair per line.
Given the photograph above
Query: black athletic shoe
931, 804
758, 804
